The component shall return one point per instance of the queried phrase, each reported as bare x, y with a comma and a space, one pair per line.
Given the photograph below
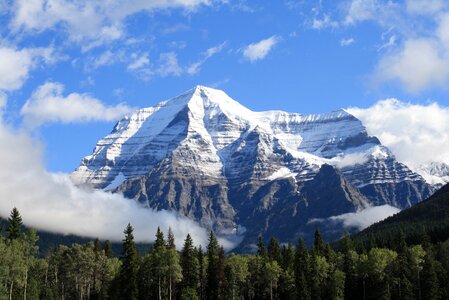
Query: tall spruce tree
212, 280
108, 249
174, 270
159, 265
274, 250
319, 247
189, 264
159, 243
261, 247
429, 279
221, 277
201, 274
302, 271
14, 224
130, 264
170, 239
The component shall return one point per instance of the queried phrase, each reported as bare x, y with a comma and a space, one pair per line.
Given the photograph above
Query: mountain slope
429, 217
215, 161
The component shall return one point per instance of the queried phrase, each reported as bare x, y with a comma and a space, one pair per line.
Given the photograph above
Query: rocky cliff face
215, 161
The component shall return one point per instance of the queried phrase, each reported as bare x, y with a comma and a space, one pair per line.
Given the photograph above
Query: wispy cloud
259, 50
196, 67
346, 42
138, 61
324, 22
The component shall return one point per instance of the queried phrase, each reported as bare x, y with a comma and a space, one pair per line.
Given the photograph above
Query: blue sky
299, 56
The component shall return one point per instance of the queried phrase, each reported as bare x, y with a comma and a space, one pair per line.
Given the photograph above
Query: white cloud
416, 134
417, 65
196, 67
175, 28
169, 65
3, 100
91, 23
422, 7
346, 42
366, 217
382, 12
388, 44
48, 104
138, 61
257, 51
349, 160
15, 65
421, 58
106, 58
52, 202
325, 22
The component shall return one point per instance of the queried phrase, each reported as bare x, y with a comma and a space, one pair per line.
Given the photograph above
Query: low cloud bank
363, 218
53, 203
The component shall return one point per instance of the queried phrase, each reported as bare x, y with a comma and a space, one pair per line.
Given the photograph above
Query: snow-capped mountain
435, 173
213, 160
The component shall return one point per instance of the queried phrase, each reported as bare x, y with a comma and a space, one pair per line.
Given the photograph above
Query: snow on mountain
215, 122
215, 161
435, 173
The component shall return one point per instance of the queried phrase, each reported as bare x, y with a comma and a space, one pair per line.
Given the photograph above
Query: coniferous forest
340, 271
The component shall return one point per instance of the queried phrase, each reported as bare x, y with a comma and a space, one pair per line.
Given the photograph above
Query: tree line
275, 271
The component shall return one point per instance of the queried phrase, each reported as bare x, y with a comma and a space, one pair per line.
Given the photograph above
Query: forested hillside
426, 220
89, 271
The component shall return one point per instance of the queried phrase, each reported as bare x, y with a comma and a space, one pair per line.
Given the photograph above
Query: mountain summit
208, 157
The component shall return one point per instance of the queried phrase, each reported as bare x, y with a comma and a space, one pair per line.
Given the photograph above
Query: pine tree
212, 284
286, 284
221, 278
170, 239
107, 249
429, 279
174, 271
159, 264
189, 264
97, 246
128, 271
160, 241
14, 224
201, 276
319, 246
274, 250
261, 248
302, 271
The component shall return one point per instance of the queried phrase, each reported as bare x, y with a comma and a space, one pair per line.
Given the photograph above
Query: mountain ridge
206, 156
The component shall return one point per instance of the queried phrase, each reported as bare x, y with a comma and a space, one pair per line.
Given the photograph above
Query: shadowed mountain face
207, 157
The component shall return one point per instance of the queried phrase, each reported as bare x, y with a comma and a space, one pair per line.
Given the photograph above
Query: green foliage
14, 224
212, 283
129, 268
425, 222
87, 271
189, 265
